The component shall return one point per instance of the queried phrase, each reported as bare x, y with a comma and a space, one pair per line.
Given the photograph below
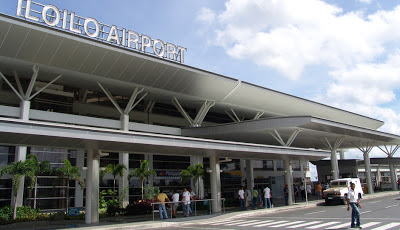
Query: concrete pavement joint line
387, 226
315, 212
391, 206
318, 226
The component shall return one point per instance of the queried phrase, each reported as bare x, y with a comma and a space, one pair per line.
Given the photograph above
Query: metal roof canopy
35, 133
312, 135
83, 62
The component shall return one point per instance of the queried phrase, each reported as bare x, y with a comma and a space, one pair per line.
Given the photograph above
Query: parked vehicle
339, 188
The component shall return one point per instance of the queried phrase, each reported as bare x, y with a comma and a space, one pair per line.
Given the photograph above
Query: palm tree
70, 172
38, 168
195, 173
18, 169
143, 172
115, 170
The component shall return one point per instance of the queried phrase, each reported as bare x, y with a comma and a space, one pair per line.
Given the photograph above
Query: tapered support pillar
80, 158
341, 154
20, 155
215, 180
334, 165
24, 109
393, 175
150, 158
288, 179
199, 186
250, 174
92, 187
123, 182
367, 165
243, 172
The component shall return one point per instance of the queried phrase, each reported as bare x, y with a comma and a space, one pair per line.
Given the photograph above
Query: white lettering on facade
51, 16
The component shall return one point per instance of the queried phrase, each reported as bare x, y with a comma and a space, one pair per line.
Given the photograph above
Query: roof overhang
83, 62
312, 134
35, 133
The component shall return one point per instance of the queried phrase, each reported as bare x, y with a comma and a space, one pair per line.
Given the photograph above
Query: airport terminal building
75, 88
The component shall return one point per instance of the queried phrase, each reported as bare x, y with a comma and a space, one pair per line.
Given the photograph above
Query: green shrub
6, 213
26, 212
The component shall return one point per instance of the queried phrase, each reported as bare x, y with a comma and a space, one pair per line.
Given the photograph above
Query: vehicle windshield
339, 184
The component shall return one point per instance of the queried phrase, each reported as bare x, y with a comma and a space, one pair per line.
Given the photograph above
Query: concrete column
193, 161
20, 155
288, 179
243, 171
80, 158
149, 157
123, 182
341, 153
334, 165
215, 181
367, 165
124, 122
250, 174
24, 106
393, 176
378, 176
92, 187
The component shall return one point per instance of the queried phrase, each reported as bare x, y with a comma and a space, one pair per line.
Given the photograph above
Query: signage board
66, 20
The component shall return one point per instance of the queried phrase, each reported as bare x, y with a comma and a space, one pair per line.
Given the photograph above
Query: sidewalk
145, 221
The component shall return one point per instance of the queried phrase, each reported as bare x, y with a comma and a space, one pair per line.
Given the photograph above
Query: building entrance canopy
312, 132
35, 133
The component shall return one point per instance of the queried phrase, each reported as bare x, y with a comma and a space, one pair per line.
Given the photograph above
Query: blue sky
345, 53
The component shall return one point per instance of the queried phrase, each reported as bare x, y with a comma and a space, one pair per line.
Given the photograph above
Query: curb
258, 212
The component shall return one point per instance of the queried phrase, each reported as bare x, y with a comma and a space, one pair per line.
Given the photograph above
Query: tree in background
18, 170
143, 172
69, 172
194, 173
115, 170
38, 168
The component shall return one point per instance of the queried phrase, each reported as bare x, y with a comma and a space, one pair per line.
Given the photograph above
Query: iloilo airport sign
90, 27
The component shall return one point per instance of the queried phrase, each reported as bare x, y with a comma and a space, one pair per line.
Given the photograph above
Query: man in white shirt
186, 202
175, 199
267, 198
352, 200
242, 199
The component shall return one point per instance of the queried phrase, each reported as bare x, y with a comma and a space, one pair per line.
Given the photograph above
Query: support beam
199, 186
32, 82
92, 187
123, 182
341, 154
258, 115
201, 114
250, 174
390, 151
150, 158
44, 87
288, 179
232, 114
215, 181
243, 172
289, 141
366, 149
20, 155
80, 158
334, 147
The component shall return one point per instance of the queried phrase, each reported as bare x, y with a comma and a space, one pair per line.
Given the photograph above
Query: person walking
254, 193
309, 192
303, 191
286, 192
267, 197
318, 188
295, 192
162, 197
186, 202
175, 199
242, 199
193, 195
354, 203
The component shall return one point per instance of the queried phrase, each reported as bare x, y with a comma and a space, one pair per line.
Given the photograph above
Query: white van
339, 188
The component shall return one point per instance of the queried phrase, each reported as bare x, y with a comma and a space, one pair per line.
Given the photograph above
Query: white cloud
291, 35
365, 1
206, 16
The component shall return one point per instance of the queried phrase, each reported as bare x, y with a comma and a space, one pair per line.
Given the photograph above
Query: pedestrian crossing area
294, 224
